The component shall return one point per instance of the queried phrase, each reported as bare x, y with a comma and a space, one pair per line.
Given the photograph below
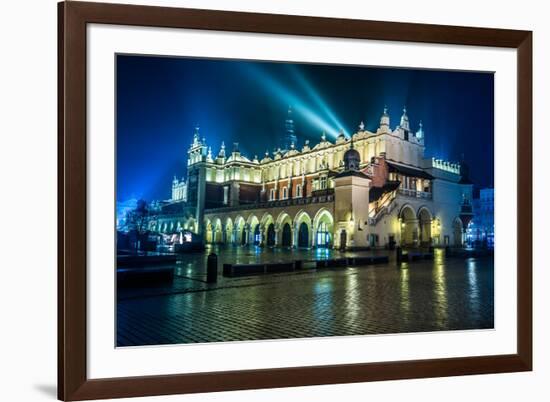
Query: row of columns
249, 233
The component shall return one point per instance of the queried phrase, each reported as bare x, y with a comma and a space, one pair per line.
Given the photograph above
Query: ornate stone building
374, 189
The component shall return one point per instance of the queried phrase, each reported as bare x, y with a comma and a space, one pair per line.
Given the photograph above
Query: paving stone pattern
452, 294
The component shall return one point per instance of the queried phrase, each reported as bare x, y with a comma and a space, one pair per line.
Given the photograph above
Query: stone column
277, 234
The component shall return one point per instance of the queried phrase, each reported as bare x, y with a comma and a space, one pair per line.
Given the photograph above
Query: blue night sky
161, 99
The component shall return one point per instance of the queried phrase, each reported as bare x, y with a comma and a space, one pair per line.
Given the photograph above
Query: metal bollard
212, 268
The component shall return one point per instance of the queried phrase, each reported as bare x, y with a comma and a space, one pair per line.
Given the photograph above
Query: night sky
161, 99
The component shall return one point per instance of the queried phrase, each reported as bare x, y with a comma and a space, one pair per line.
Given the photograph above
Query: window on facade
225, 195
271, 194
323, 183
285, 193
298, 190
315, 186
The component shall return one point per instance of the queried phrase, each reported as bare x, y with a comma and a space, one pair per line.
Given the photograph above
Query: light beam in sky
314, 95
298, 104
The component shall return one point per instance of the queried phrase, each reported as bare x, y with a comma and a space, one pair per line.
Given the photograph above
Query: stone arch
208, 229
425, 217
239, 230
323, 228
284, 231
254, 233
302, 229
217, 235
267, 225
228, 232
408, 225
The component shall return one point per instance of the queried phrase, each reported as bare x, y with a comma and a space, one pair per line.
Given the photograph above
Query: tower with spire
384, 122
198, 149
290, 135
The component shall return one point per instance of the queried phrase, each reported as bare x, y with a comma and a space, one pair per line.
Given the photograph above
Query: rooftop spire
196, 136
420, 132
361, 126
385, 119
404, 119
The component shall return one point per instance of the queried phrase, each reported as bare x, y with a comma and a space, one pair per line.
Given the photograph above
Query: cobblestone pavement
420, 296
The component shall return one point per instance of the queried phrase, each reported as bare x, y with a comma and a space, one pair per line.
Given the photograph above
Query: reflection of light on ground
439, 256
310, 303
322, 253
352, 301
323, 286
323, 304
405, 302
440, 294
473, 290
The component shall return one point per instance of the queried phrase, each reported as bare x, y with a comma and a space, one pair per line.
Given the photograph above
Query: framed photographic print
252, 200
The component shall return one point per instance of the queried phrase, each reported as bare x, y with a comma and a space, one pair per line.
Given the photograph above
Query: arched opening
208, 232
323, 235
228, 232
425, 226
302, 227
457, 232
217, 232
243, 236
286, 236
239, 235
303, 235
409, 227
323, 225
257, 236
270, 240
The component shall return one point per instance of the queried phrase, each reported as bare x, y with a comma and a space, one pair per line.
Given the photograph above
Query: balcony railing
416, 194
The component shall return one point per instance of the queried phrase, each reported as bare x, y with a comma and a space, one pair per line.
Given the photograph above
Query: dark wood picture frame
73, 383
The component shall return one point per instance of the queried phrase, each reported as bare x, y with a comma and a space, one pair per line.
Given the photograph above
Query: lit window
323, 183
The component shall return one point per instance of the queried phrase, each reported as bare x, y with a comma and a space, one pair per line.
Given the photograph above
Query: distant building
122, 209
374, 189
481, 229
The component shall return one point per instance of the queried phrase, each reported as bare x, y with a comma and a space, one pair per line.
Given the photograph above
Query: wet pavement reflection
428, 295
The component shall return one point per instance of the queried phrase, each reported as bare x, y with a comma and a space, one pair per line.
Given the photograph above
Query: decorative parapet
446, 166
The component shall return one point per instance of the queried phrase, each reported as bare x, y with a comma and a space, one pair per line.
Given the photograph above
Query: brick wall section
380, 172
249, 193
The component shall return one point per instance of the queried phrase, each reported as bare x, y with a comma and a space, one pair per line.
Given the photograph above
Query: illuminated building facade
482, 227
375, 189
